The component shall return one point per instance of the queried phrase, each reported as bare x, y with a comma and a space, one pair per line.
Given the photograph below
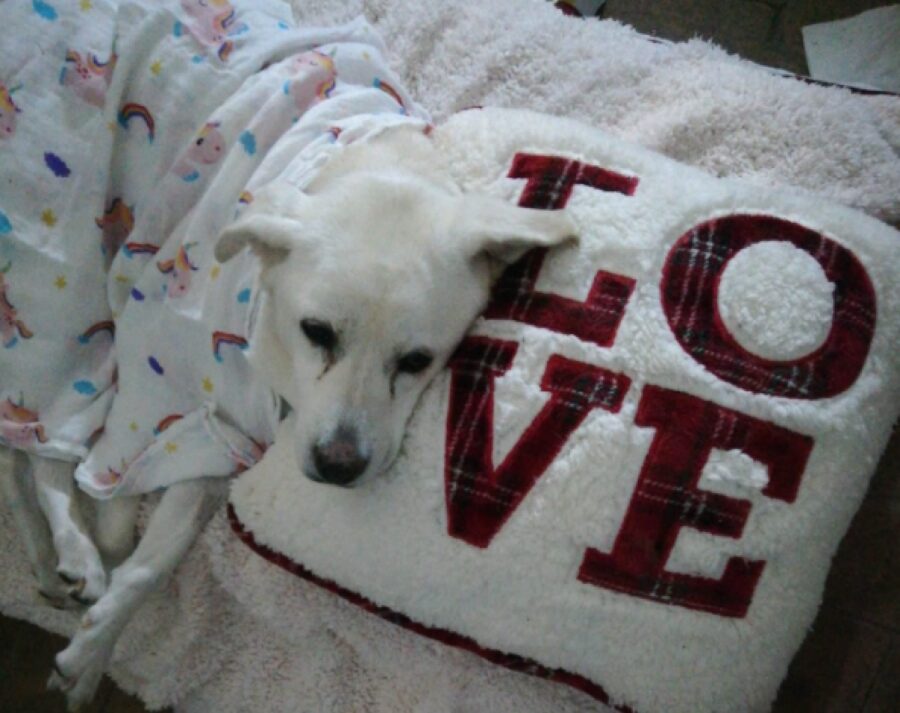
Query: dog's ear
269, 225
504, 231
270, 237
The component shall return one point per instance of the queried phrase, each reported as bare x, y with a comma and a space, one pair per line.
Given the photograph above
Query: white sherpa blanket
194, 644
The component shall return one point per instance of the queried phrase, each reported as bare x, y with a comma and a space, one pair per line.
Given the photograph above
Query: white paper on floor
863, 51
586, 8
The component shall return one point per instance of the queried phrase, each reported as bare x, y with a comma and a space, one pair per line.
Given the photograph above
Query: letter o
690, 279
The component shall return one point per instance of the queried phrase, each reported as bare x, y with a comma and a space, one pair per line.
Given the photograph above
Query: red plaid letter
666, 499
690, 282
479, 497
551, 180
549, 185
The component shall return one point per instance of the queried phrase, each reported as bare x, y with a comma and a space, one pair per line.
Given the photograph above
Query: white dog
362, 307
368, 264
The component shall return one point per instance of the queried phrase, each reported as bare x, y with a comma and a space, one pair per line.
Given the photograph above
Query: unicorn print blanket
153, 124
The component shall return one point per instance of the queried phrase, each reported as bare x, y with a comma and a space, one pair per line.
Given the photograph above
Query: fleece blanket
175, 418
197, 645
56, 360
130, 115
634, 456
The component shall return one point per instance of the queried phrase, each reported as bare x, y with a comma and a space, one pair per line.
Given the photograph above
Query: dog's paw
78, 670
81, 569
57, 597
51, 589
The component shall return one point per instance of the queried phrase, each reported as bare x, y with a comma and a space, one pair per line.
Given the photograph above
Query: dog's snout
339, 460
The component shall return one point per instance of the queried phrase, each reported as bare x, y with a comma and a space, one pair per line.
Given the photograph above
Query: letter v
479, 497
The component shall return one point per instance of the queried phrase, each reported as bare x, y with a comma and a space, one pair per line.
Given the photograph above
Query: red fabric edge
444, 636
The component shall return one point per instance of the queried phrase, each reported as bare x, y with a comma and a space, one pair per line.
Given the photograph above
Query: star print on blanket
175, 418
130, 134
622, 472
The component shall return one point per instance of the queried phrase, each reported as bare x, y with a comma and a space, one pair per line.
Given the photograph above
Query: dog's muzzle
340, 460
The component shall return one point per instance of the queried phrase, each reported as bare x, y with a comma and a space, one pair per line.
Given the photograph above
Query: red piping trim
451, 638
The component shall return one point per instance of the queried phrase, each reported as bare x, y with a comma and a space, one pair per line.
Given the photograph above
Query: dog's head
371, 278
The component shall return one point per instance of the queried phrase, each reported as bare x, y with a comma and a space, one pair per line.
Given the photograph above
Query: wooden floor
26, 655
765, 31
850, 662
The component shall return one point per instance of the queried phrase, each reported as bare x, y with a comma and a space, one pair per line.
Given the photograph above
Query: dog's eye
319, 333
414, 362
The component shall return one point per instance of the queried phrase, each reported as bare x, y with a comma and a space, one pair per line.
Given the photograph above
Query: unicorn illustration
212, 23
8, 111
11, 327
88, 77
206, 149
116, 223
315, 79
178, 271
19, 426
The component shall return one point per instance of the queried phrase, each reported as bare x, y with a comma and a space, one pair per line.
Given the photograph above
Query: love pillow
633, 474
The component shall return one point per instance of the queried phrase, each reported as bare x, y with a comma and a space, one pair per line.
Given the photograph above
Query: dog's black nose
339, 460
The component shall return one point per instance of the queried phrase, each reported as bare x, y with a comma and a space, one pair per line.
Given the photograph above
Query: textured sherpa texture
690, 101
197, 645
521, 594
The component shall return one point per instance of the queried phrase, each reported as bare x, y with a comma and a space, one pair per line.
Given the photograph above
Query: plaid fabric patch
595, 320
479, 497
549, 184
690, 279
550, 180
666, 499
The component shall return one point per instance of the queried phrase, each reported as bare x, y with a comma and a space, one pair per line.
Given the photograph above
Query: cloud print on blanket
646, 441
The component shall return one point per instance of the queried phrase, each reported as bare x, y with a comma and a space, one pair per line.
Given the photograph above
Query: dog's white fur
384, 248
387, 249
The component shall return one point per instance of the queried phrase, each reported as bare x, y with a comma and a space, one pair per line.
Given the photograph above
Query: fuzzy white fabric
194, 645
520, 595
776, 301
